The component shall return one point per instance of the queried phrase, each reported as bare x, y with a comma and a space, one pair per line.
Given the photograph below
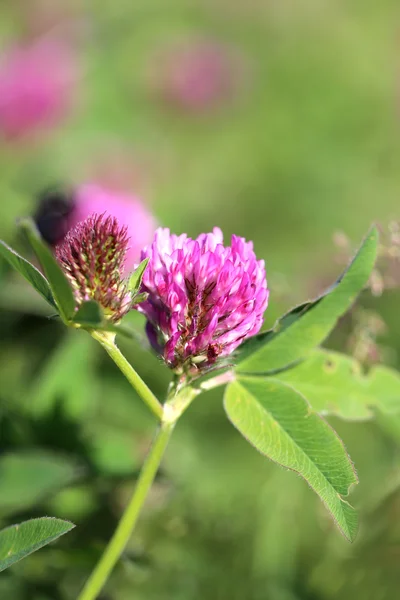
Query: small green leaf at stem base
280, 424
307, 325
18, 541
61, 289
89, 315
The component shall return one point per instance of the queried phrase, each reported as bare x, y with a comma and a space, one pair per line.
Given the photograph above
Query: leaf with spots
280, 424
17, 541
335, 384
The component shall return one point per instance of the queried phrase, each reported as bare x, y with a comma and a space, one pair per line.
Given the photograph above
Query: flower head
61, 209
92, 256
204, 298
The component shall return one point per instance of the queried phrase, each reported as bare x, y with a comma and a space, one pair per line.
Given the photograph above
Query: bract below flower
204, 298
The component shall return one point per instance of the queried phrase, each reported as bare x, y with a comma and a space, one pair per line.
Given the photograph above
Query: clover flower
92, 256
204, 298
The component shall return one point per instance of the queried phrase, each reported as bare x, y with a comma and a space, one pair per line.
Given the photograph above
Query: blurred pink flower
198, 76
37, 84
39, 17
60, 210
204, 298
127, 209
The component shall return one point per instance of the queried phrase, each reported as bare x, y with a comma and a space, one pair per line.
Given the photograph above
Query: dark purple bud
54, 213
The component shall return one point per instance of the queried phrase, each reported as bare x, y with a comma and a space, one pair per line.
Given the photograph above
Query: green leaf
280, 424
67, 379
307, 325
27, 270
89, 315
19, 541
112, 450
257, 342
335, 384
27, 477
141, 298
135, 280
60, 286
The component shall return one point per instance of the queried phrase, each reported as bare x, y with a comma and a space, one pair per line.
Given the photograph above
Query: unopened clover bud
92, 255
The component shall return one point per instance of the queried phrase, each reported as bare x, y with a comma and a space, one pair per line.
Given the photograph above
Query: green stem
107, 341
169, 413
125, 527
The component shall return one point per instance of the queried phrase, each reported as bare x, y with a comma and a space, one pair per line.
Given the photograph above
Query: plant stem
128, 521
107, 341
169, 413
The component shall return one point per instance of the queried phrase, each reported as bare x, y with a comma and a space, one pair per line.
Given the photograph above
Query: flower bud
60, 209
92, 256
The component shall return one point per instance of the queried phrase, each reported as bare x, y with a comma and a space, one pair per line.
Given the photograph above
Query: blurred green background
305, 143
